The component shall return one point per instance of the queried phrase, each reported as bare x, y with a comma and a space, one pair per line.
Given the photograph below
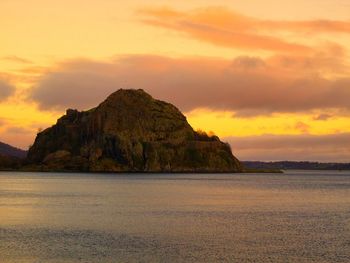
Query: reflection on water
294, 217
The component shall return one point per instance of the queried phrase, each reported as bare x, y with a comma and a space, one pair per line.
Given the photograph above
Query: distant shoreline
295, 165
145, 172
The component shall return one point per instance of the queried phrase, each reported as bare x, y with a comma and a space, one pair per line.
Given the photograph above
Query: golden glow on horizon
226, 124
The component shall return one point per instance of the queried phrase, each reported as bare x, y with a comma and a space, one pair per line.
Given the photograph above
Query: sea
297, 216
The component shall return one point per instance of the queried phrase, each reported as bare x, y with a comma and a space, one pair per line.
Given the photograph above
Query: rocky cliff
130, 131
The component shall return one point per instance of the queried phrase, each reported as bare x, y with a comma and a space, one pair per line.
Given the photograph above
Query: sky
269, 77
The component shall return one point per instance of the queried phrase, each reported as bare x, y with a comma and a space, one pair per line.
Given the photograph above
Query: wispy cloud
326, 148
323, 117
17, 59
18, 130
224, 27
6, 89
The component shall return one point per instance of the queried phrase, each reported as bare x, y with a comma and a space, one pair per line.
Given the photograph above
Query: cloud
322, 117
26, 138
17, 59
325, 148
244, 84
18, 130
6, 89
310, 26
301, 126
19, 134
219, 26
224, 27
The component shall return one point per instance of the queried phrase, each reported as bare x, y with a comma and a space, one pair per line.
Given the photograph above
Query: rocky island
129, 132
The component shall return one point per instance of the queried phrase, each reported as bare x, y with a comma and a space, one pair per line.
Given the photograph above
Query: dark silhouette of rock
132, 132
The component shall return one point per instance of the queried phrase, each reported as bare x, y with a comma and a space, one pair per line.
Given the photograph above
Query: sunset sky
271, 77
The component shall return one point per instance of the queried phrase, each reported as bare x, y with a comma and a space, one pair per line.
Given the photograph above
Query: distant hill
10, 157
8, 150
285, 165
10, 162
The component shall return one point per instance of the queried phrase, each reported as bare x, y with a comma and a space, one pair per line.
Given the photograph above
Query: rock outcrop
129, 132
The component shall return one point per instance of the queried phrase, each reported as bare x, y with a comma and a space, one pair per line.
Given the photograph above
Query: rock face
132, 132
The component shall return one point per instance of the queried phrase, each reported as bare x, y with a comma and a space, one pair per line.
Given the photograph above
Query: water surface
298, 216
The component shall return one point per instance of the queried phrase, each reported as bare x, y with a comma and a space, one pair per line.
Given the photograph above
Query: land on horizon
11, 158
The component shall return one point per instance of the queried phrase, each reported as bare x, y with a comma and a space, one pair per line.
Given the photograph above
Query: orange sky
254, 72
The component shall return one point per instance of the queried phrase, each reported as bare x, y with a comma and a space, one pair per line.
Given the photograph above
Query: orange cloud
6, 89
17, 59
224, 27
324, 148
301, 126
323, 117
310, 27
245, 84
